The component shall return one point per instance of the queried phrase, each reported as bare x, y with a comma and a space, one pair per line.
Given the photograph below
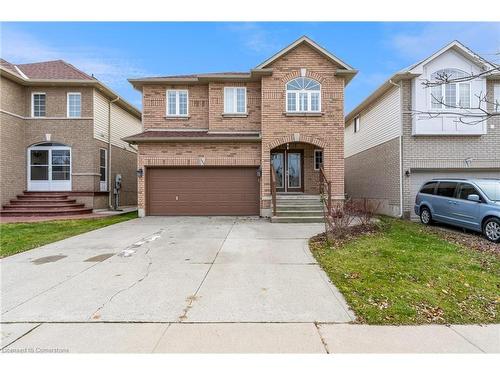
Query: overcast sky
114, 52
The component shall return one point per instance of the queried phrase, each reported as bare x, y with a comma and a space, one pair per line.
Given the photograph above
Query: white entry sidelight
49, 167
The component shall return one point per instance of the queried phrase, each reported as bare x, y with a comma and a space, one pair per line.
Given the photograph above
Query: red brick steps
43, 204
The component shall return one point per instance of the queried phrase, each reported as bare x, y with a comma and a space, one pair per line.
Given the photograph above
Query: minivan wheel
491, 229
425, 216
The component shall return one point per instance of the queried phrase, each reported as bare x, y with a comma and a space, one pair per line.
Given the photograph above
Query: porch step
298, 208
33, 203
44, 212
297, 219
43, 202
299, 213
56, 206
25, 192
42, 197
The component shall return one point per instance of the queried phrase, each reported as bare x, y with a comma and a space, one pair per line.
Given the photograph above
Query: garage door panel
202, 191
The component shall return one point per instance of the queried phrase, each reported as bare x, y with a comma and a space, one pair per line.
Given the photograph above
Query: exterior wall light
140, 172
407, 173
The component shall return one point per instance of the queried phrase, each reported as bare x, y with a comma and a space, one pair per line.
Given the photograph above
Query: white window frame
322, 158
443, 106
297, 98
67, 104
496, 97
235, 98
177, 103
357, 124
33, 104
103, 185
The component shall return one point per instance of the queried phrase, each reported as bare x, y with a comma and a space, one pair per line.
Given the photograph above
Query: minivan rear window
428, 188
446, 189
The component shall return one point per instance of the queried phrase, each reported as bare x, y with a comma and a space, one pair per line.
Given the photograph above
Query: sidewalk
246, 338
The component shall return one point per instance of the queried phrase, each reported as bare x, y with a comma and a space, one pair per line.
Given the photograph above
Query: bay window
303, 95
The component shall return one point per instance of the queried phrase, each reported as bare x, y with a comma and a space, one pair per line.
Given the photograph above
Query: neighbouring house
61, 141
406, 133
210, 141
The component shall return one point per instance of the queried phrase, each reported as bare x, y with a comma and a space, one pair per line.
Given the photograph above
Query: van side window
464, 190
428, 188
446, 189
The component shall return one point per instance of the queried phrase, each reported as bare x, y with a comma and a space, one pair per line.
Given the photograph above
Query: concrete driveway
174, 269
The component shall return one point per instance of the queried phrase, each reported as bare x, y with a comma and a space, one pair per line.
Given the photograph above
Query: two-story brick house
61, 146
209, 140
406, 133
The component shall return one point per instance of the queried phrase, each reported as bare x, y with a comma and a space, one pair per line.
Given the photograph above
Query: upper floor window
177, 102
496, 97
38, 103
357, 124
74, 104
235, 100
303, 95
450, 95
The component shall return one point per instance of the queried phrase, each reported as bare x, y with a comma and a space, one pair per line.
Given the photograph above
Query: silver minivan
468, 203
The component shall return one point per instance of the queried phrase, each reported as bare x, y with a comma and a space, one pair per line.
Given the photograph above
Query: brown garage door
202, 191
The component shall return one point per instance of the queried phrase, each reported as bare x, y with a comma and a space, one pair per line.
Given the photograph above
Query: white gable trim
458, 47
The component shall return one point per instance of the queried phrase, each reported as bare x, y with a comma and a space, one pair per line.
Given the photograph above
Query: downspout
110, 183
400, 148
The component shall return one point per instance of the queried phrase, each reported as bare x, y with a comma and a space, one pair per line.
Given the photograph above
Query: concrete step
42, 197
44, 212
42, 206
45, 192
43, 202
297, 219
294, 202
299, 207
297, 196
302, 213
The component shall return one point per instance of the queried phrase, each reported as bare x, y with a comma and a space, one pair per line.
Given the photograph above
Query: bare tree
468, 114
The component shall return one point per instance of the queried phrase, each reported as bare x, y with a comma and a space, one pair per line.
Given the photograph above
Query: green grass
19, 237
402, 274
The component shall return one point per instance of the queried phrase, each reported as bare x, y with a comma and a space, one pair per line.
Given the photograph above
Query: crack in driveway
192, 298
96, 314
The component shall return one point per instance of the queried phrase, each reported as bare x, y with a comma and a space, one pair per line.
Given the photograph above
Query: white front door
49, 167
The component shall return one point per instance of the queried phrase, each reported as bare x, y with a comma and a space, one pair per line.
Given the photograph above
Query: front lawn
403, 273
18, 237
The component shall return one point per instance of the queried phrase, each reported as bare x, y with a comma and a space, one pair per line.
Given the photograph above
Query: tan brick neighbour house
209, 139
56, 126
393, 146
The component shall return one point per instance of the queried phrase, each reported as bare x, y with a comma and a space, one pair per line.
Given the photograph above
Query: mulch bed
473, 241
351, 234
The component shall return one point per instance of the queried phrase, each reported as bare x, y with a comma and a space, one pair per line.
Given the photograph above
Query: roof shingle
57, 69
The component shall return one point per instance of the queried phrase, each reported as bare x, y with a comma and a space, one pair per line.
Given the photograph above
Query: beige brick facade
18, 131
374, 174
265, 114
446, 153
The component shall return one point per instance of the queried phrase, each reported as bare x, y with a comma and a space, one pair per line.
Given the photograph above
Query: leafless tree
484, 108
